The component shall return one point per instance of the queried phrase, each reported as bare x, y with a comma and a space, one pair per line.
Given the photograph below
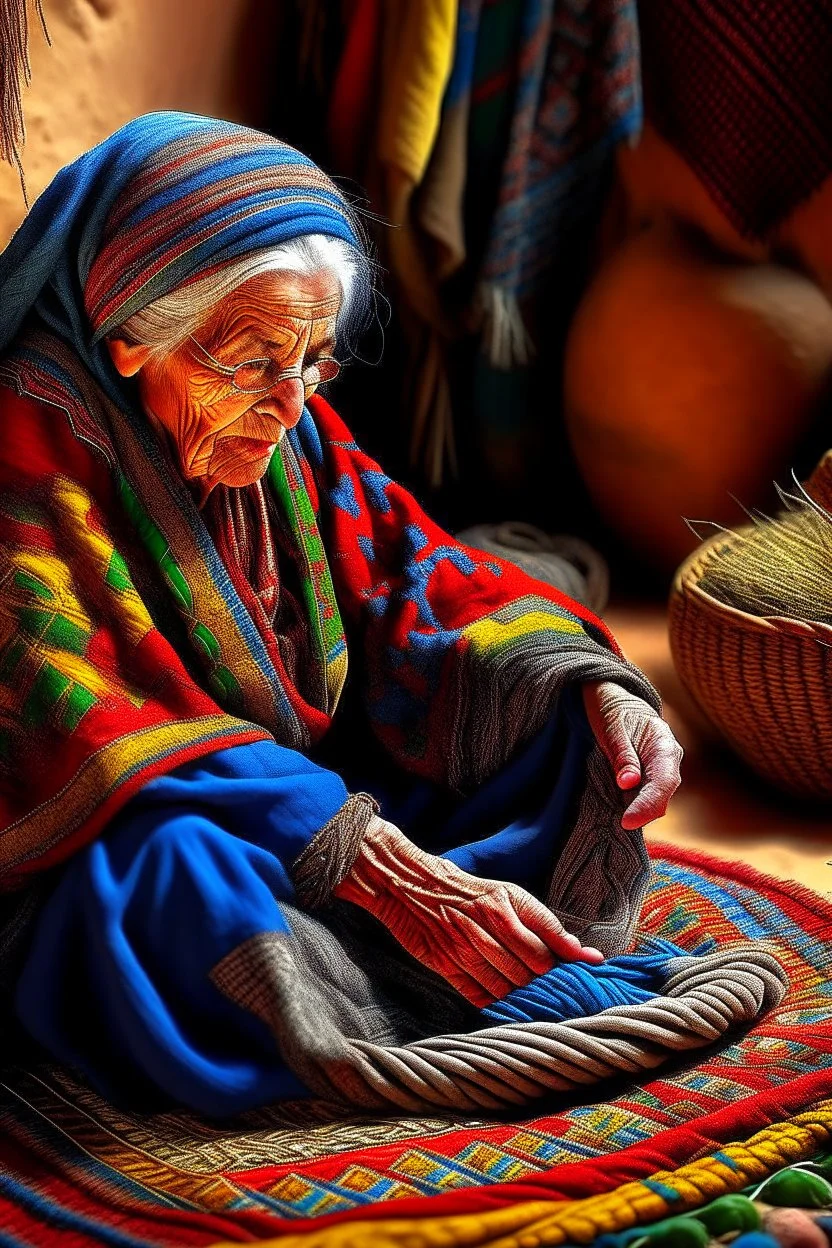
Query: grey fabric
602, 871
313, 990
601, 874
504, 698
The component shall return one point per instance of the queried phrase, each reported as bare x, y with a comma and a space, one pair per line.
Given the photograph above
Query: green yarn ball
729, 1213
797, 1188
677, 1233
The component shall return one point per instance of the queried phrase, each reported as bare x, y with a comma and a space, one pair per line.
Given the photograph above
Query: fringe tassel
506, 341
15, 72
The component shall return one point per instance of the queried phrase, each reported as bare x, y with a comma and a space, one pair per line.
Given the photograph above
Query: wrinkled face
222, 435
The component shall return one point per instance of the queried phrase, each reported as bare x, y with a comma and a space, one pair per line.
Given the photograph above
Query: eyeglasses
255, 376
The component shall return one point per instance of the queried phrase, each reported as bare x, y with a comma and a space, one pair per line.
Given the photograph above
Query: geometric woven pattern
172, 1178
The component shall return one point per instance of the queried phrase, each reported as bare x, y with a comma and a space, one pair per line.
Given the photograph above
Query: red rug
79, 1172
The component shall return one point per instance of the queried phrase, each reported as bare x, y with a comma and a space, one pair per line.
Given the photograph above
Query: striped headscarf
165, 200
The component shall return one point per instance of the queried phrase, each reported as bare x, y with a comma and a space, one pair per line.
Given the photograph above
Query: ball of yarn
565, 563
729, 1213
792, 1228
755, 1239
681, 1232
575, 989
677, 1233
798, 1189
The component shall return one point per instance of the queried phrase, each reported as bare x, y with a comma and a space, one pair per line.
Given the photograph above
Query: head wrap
165, 200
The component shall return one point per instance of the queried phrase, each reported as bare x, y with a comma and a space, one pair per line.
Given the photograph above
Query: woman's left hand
639, 745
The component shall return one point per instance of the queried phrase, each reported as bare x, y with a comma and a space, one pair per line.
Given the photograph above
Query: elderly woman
192, 786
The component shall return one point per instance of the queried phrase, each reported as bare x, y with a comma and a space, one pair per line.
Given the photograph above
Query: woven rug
74, 1171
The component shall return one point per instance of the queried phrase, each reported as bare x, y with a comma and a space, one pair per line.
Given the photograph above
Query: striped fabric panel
191, 198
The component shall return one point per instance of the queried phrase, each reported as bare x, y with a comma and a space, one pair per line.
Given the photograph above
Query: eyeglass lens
263, 374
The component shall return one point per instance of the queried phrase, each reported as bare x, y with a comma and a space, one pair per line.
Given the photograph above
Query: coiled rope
567, 563
563, 1033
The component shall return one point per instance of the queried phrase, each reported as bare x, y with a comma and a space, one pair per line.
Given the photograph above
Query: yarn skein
567, 563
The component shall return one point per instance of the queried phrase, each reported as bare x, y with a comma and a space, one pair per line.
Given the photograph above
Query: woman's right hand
484, 937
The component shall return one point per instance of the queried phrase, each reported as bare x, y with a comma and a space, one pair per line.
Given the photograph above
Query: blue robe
117, 977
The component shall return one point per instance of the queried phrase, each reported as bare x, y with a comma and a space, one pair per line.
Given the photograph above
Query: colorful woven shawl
125, 646
551, 88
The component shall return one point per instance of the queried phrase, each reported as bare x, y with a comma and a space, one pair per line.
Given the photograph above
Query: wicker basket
766, 683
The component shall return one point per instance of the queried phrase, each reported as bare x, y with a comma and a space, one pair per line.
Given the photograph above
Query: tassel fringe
15, 72
506, 341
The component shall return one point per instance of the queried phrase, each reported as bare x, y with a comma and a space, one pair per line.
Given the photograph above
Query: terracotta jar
690, 378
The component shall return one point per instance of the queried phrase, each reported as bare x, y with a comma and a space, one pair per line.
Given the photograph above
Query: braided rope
702, 998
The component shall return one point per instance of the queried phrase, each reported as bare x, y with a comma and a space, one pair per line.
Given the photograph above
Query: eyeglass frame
296, 371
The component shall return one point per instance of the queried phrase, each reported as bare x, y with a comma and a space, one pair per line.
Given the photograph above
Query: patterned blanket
94, 1175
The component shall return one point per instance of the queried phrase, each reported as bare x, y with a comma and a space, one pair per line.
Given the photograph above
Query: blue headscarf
166, 198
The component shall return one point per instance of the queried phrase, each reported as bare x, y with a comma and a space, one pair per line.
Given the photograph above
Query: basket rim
686, 586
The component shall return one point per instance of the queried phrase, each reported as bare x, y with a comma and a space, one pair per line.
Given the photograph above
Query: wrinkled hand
483, 936
639, 745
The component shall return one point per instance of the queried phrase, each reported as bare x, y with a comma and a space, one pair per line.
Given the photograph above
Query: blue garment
117, 978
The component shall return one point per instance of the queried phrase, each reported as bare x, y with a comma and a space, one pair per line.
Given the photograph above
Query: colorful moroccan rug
74, 1171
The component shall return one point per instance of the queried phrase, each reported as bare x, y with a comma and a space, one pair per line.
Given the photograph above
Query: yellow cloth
419, 41
419, 38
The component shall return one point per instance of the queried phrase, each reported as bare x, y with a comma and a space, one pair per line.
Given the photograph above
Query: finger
662, 756
449, 962
513, 968
495, 985
476, 967
510, 929
621, 752
466, 986
540, 920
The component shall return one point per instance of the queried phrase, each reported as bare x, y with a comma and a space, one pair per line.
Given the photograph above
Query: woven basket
766, 683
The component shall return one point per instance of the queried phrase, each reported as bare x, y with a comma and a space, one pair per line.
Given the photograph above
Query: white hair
165, 324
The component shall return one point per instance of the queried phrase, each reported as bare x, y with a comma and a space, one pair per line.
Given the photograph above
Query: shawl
126, 648
548, 91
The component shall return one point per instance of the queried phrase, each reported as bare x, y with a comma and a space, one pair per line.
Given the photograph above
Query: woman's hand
639, 745
484, 937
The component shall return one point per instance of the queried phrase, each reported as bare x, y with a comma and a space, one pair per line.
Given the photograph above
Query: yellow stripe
73, 505
490, 632
54, 574
103, 772
535, 1224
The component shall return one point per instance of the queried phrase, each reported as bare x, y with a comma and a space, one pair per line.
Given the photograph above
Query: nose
284, 403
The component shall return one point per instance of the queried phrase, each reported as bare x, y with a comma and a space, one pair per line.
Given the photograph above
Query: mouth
254, 446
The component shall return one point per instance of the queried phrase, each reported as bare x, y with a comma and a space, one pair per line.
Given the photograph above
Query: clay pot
689, 378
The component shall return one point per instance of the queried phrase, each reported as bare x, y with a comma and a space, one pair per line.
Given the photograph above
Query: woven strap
329, 856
